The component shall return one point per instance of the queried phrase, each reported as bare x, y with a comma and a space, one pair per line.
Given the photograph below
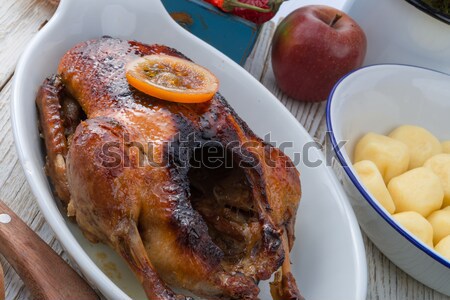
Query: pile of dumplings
408, 173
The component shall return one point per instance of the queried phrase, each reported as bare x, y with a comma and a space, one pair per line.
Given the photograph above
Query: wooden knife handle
46, 275
2, 284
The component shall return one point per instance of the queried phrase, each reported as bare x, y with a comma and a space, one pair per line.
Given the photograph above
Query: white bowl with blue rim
379, 98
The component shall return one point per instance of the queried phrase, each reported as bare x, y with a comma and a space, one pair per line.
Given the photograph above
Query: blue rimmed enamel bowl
379, 98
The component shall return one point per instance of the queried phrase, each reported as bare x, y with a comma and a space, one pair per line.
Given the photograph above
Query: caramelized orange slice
172, 78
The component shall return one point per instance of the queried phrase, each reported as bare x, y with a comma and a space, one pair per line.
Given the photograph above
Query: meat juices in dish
212, 230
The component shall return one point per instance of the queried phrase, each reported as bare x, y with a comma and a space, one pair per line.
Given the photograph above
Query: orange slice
172, 78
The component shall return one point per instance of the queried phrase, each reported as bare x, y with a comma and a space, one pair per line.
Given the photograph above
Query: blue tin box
232, 35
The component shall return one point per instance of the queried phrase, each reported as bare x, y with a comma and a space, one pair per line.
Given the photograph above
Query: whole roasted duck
143, 175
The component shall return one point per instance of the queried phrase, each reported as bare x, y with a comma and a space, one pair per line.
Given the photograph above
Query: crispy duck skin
122, 162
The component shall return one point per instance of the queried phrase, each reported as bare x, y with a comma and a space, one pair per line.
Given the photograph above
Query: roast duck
130, 170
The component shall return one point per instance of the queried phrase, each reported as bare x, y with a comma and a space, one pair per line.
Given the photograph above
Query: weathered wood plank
19, 22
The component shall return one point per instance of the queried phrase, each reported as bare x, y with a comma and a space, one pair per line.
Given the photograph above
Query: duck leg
59, 115
131, 248
51, 123
284, 286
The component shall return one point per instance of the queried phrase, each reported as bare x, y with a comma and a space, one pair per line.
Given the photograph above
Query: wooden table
20, 20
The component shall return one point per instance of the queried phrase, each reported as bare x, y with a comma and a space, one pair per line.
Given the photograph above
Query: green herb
442, 6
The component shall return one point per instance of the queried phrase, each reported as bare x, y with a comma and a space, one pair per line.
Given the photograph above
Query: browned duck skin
48, 103
175, 224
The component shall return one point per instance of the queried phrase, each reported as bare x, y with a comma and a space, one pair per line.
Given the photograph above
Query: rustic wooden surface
20, 20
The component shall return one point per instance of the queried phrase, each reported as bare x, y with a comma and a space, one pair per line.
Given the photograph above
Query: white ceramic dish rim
93, 274
353, 177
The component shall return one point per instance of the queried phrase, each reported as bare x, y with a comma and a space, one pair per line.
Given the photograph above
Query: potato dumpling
390, 156
446, 146
417, 225
418, 190
440, 220
440, 165
422, 144
443, 247
373, 181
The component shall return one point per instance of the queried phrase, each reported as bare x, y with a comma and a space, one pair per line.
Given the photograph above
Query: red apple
312, 48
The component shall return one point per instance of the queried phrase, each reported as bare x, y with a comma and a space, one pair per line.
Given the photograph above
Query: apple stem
335, 19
